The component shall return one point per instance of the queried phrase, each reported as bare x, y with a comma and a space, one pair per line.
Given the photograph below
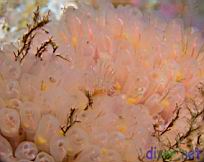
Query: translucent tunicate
78, 139
5, 148
12, 89
30, 117
44, 157
24, 160
90, 154
59, 148
9, 159
14, 103
9, 122
111, 156
48, 128
116, 140
2, 103
26, 150
28, 86
101, 138
10, 70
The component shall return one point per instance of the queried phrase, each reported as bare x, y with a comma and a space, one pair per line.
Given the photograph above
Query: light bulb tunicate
26, 150
9, 122
44, 157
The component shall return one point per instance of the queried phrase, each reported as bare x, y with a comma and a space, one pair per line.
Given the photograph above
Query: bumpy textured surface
117, 74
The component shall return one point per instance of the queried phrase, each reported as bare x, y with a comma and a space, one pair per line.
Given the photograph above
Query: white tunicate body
9, 122
12, 89
10, 70
59, 148
78, 139
26, 150
5, 148
111, 156
48, 128
24, 160
30, 116
90, 154
44, 157
9, 159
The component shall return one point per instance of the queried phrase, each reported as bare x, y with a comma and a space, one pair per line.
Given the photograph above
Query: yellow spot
132, 100
40, 140
154, 75
26, 125
1, 77
43, 86
122, 128
201, 74
165, 103
74, 41
121, 2
179, 77
98, 92
69, 151
117, 86
104, 151
61, 133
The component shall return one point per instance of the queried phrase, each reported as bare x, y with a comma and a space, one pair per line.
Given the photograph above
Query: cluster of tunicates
96, 98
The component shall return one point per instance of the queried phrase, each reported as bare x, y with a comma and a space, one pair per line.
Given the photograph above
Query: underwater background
15, 14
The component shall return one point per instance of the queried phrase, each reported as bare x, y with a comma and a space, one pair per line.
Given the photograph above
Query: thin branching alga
38, 23
182, 139
71, 121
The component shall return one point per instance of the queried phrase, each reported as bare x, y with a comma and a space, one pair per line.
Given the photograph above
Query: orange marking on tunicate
98, 92
74, 42
1, 77
179, 77
201, 73
117, 86
154, 75
133, 100
117, 2
40, 140
25, 125
122, 128
104, 151
165, 103
61, 133
43, 86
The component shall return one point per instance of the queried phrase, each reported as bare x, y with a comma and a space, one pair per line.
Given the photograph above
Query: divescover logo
154, 154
